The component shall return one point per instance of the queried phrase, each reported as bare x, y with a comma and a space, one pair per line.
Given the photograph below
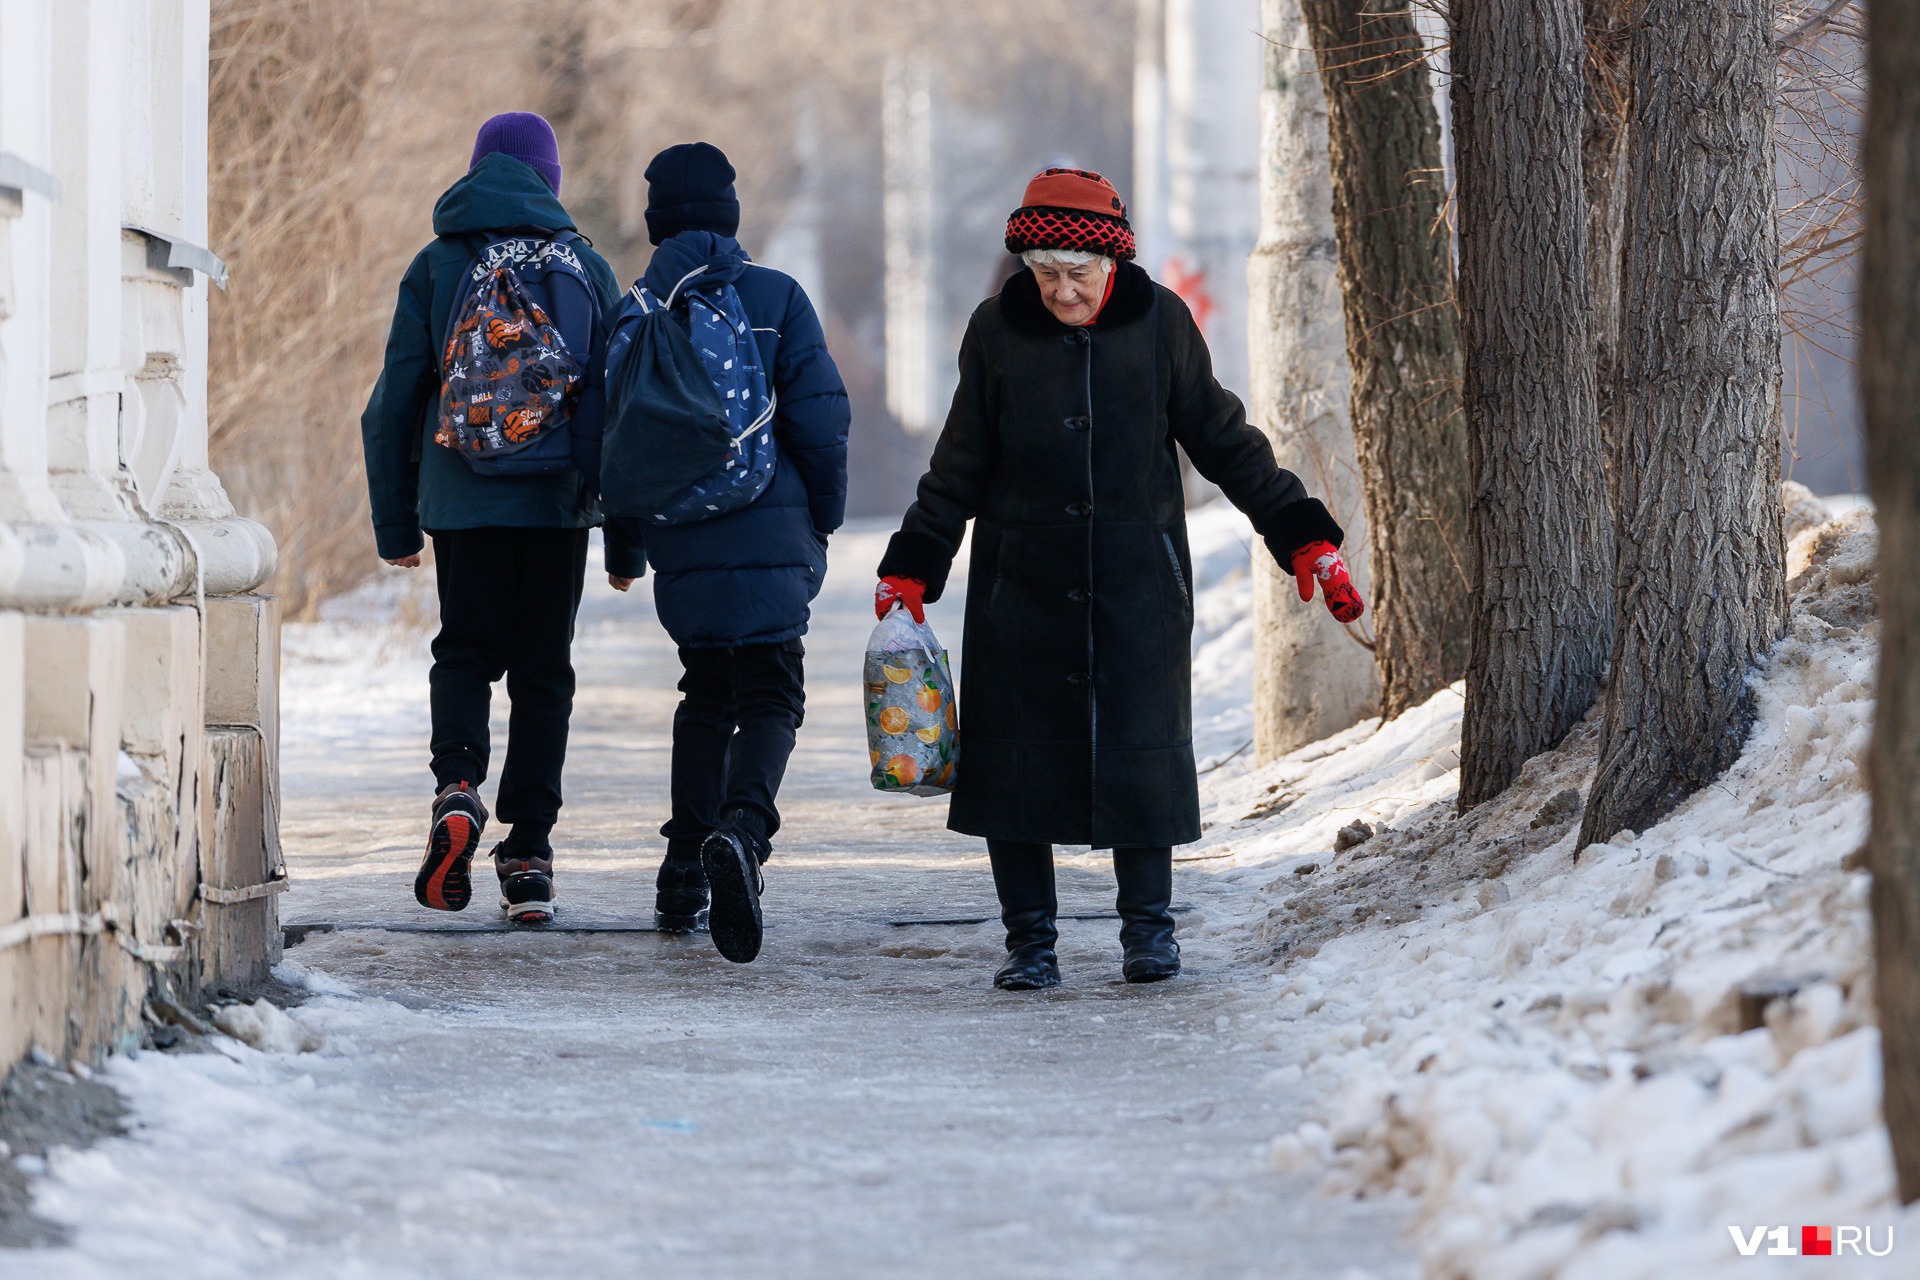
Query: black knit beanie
690, 188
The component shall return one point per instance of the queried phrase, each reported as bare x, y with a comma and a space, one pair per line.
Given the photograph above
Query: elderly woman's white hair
1063, 258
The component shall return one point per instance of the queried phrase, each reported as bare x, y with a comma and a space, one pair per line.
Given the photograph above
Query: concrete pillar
12, 759
14, 1016
161, 696
75, 693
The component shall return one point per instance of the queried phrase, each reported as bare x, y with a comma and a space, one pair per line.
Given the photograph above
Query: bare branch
1811, 27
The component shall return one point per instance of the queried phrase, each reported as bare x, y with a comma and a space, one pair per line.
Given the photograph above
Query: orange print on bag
522, 423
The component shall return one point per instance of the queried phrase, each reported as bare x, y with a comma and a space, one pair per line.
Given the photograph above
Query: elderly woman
1076, 383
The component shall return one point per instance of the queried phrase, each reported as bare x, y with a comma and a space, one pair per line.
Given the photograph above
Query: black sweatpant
739, 713
508, 598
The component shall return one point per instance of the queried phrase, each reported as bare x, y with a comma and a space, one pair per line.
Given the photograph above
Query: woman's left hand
1322, 560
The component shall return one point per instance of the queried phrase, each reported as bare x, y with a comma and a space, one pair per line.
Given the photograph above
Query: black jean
508, 599
733, 732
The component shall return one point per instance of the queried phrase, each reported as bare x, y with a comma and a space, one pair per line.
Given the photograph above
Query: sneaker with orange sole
458, 819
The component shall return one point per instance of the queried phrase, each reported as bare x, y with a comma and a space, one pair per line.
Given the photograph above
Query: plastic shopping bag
913, 726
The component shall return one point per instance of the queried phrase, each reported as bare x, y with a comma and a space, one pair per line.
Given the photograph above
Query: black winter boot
680, 890
1023, 878
1145, 877
732, 856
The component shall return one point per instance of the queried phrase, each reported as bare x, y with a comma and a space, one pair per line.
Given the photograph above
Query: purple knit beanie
524, 136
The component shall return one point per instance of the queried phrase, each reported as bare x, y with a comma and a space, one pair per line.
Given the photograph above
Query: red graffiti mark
1191, 284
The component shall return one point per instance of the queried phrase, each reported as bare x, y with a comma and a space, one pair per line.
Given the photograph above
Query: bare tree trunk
1890, 378
1700, 561
1540, 533
1403, 346
1603, 161
1311, 678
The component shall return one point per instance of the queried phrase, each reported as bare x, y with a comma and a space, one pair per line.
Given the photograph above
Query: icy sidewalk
858, 1102
1588, 1070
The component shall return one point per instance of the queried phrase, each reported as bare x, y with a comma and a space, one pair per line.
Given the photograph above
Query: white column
797, 244
1147, 203
163, 334
25, 235
83, 395
907, 137
1212, 131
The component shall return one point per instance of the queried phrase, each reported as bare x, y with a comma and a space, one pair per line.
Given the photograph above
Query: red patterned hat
1071, 209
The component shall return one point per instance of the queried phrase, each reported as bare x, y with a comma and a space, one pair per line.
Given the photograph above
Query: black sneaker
680, 891
526, 886
732, 857
458, 820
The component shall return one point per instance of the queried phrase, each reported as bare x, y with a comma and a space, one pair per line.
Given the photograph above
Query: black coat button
1080, 595
1080, 509
1077, 678
1079, 422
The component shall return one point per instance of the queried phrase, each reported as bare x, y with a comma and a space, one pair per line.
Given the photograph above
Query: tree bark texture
1403, 345
1890, 378
1700, 556
1603, 161
1538, 522
1311, 678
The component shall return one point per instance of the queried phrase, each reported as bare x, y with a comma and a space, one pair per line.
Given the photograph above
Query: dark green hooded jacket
414, 483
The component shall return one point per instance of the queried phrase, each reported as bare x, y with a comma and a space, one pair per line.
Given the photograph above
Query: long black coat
1076, 716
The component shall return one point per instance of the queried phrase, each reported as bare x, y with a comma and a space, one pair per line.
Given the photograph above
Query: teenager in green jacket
510, 550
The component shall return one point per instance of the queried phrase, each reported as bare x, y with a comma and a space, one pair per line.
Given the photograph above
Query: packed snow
1586, 1068
1407, 1042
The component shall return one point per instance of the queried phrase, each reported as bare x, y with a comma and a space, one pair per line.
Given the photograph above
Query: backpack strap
641, 296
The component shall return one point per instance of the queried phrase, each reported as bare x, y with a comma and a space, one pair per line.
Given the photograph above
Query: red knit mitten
910, 592
1322, 560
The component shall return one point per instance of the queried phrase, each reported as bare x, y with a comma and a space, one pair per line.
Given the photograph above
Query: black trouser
508, 598
732, 734
1023, 880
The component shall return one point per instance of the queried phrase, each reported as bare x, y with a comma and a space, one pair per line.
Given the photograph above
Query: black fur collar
1022, 309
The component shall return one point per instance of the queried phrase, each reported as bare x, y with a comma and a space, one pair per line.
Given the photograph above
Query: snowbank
1585, 1068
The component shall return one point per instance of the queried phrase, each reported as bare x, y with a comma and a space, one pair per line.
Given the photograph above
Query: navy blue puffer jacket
749, 577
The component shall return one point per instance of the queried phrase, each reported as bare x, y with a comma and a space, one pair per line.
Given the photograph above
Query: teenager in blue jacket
510, 551
733, 592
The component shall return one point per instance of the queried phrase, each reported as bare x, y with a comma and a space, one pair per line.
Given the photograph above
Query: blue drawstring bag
689, 431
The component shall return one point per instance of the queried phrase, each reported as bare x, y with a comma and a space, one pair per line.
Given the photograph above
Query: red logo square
1816, 1242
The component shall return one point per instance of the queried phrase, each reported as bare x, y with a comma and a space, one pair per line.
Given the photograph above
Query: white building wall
136, 731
